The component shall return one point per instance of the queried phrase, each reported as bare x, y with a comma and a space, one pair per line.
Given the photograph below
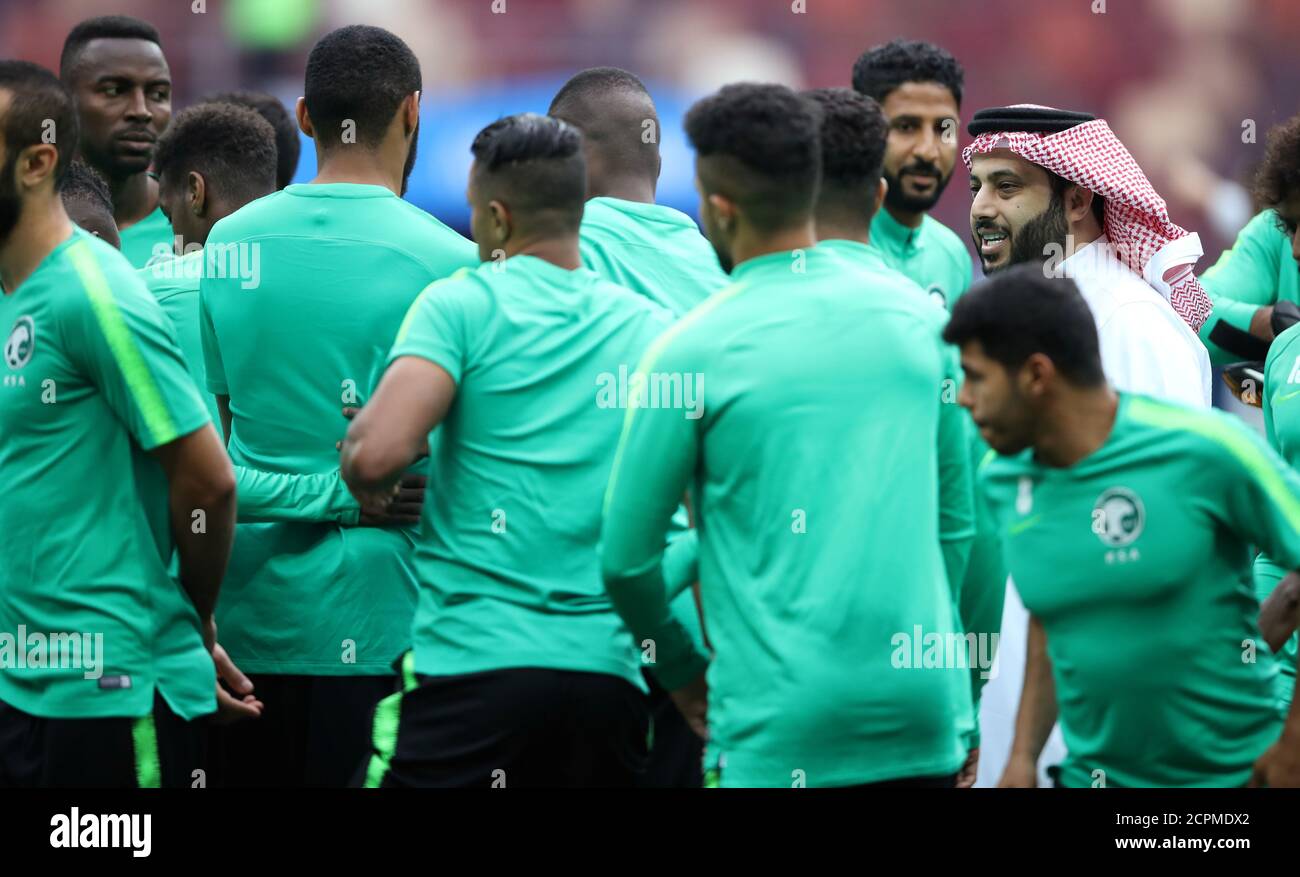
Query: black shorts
157, 750
676, 752
515, 728
314, 731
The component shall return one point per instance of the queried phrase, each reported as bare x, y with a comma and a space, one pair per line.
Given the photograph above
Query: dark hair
39, 105
1278, 178
595, 82
83, 183
1019, 312
610, 107
536, 162
853, 131
122, 27
881, 69
771, 134
231, 146
359, 73
287, 145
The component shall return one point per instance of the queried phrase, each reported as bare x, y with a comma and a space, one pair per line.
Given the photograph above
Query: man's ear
1078, 203
196, 193
304, 119
410, 112
1037, 375
724, 209
36, 164
502, 223
881, 189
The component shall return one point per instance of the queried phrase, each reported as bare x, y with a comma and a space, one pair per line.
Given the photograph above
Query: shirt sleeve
213, 368
956, 484
119, 336
440, 324
1142, 353
1262, 494
655, 460
278, 496
1243, 280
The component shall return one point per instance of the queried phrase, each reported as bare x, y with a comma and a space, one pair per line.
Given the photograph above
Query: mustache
134, 132
988, 225
921, 166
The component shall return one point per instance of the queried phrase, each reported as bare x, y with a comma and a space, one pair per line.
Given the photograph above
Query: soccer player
1058, 190
918, 86
108, 459
287, 145
1260, 268
852, 147
1128, 523
626, 237
88, 203
317, 612
659, 252
115, 69
522, 673
1267, 258
809, 683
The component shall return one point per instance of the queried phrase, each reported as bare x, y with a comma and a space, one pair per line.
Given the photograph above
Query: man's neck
840, 229
134, 198
905, 218
1078, 423
748, 247
562, 251
624, 188
38, 232
359, 166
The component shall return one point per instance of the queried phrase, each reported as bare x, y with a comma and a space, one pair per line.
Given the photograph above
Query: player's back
650, 249
317, 280
818, 517
509, 572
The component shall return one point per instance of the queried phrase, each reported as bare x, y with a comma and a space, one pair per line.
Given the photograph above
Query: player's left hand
966, 776
1278, 767
242, 704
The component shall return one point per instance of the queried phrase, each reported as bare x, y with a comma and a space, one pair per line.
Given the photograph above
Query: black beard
11, 204
1030, 243
410, 159
897, 199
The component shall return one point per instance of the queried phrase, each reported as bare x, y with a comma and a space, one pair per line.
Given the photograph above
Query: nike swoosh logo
1285, 396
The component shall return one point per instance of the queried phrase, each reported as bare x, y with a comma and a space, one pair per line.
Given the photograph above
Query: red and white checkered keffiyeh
1136, 219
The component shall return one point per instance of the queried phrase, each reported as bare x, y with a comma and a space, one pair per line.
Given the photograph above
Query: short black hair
1278, 177
1021, 311
122, 27
881, 69
537, 163
83, 183
853, 132
231, 146
358, 73
610, 106
268, 106
770, 134
39, 107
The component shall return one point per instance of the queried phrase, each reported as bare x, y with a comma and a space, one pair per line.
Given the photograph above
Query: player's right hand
1020, 773
403, 509
692, 700
241, 705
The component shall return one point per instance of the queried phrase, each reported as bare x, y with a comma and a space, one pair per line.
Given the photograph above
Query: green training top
654, 250
149, 238
1136, 560
92, 380
932, 256
317, 280
1256, 272
818, 528
509, 575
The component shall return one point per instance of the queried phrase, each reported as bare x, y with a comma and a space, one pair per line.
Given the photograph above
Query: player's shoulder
1188, 434
97, 270
175, 276
1284, 350
624, 301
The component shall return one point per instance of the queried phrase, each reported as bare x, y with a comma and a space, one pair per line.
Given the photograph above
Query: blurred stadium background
1181, 81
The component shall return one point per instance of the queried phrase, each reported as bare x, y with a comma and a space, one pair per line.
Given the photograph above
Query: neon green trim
144, 739
1021, 526
419, 299
1250, 457
647, 364
409, 681
1285, 396
139, 381
388, 714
